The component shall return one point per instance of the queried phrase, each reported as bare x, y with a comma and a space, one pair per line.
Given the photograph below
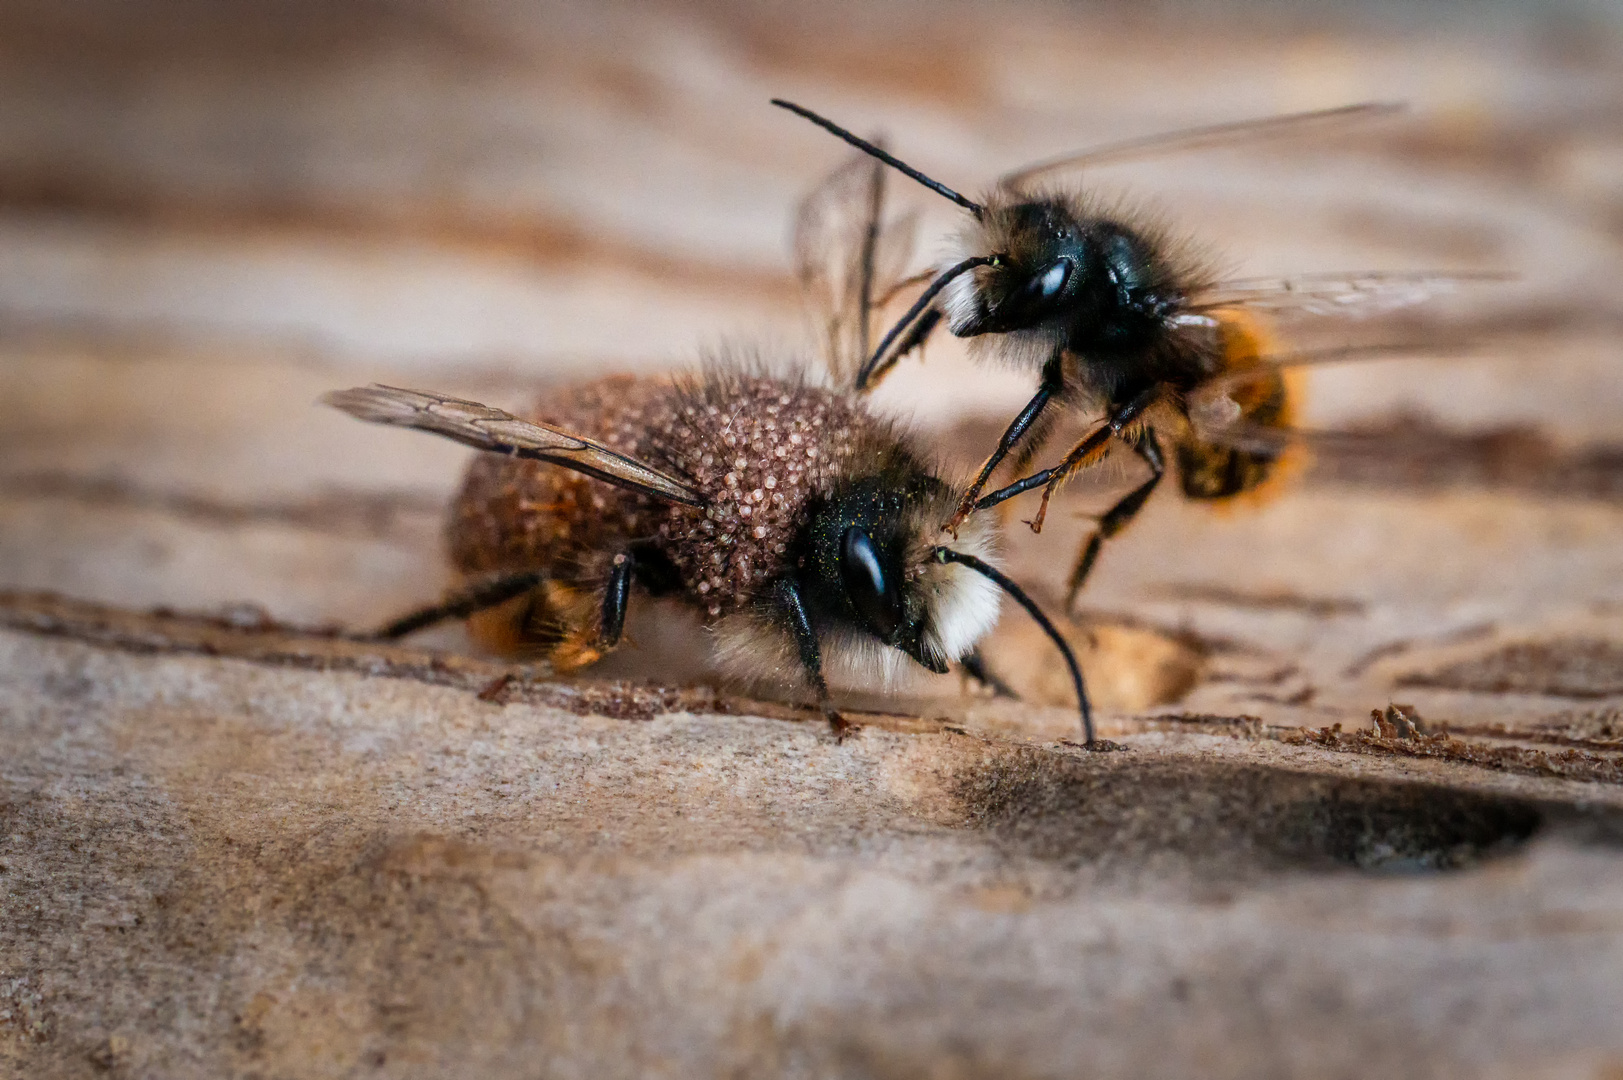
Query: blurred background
210, 213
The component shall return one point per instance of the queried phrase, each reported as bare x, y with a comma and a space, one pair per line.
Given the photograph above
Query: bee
1120, 317
803, 528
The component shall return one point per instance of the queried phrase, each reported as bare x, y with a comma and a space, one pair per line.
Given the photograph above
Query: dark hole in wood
1231, 818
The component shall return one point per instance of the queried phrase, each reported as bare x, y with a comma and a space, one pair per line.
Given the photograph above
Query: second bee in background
1118, 316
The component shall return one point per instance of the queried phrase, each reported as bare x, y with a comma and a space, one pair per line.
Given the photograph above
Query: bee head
1093, 281
867, 574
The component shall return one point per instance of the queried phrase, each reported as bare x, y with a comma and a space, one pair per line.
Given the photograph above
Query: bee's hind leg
1117, 517
470, 601
793, 608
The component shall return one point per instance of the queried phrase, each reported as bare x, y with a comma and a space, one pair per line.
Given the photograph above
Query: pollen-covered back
762, 450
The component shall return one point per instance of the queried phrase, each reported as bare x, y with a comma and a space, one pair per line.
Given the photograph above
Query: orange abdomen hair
1212, 470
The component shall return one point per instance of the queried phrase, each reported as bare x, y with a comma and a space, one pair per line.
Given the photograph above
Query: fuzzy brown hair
762, 451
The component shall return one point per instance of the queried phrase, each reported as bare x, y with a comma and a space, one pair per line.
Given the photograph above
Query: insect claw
1036, 523
495, 691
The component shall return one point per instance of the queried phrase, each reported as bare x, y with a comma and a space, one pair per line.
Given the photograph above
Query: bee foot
496, 690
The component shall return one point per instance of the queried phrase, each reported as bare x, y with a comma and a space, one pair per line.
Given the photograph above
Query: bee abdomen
1213, 470
1208, 471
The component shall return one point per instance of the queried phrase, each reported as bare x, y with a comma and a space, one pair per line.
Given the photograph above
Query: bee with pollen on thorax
804, 529
1118, 315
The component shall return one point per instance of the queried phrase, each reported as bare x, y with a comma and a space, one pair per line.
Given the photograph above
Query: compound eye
877, 602
1053, 279
1036, 298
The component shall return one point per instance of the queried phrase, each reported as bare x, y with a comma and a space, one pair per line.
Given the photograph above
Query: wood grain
236, 841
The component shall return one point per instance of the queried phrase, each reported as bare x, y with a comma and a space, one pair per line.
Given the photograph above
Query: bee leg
870, 244
918, 334
976, 668
914, 338
1053, 382
909, 282
1117, 517
1091, 446
811, 657
1036, 438
615, 599
875, 366
460, 605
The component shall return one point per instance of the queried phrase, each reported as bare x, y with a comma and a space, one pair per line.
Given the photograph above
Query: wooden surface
235, 844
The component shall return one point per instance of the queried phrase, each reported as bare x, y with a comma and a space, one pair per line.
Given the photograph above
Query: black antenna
1002, 581
872, 366
869, 148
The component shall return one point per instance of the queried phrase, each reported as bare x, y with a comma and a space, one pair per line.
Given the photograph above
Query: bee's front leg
1053, 383
793, 608
616, 597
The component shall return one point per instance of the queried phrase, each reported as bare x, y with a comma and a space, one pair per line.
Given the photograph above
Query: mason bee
802, 527
1121, 317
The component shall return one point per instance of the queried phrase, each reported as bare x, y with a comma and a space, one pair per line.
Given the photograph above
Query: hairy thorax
761, 450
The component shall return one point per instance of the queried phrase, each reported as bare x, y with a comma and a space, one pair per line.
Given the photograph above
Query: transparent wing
1218, 418
848, 259
1347, 295
1403, 435
1200, 138
485, 428
1261, 439
1263, 367
1249, 437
